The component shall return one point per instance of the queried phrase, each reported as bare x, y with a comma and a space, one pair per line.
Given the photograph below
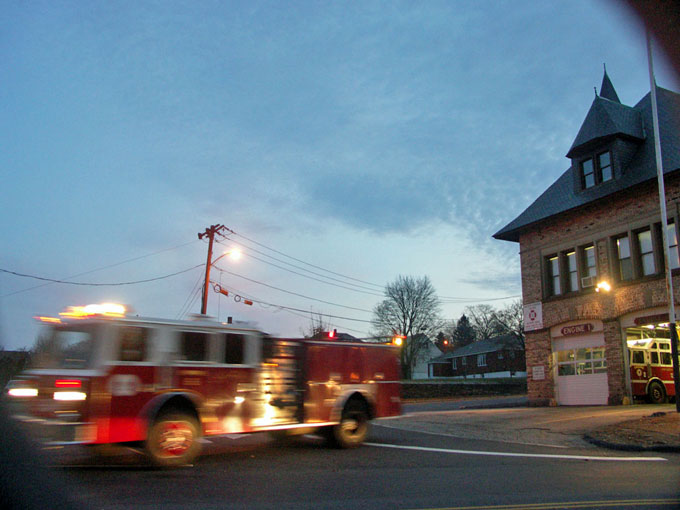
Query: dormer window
604, 163
596, 170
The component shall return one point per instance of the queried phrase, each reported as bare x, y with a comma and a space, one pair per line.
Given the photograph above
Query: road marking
509, 454
441, 434
569, 504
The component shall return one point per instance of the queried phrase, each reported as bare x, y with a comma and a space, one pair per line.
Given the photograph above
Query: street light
234, 255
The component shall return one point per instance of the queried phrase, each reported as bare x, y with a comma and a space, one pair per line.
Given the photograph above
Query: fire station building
599, 223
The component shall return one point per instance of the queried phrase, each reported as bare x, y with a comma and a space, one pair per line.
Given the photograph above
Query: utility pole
210, 234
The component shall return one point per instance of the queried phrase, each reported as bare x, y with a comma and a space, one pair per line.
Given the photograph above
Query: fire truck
102, 376
651, 369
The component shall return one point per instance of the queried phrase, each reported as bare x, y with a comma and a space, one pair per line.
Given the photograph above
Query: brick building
500, 356
599, 221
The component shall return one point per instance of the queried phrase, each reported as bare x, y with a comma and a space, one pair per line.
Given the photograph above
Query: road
396, 469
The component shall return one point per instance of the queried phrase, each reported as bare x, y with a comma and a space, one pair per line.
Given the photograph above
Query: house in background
420, 370
500, 356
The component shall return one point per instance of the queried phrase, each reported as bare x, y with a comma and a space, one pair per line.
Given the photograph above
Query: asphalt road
396, 469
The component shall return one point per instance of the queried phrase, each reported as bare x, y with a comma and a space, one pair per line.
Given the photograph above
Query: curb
631, 447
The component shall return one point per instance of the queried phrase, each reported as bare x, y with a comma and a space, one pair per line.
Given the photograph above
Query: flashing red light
68, 383
331, 334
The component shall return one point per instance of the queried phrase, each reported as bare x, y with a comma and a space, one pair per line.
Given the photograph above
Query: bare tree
411, 309
511, 320
483, 320
317, 326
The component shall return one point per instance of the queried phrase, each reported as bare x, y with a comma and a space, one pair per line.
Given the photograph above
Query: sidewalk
634, 428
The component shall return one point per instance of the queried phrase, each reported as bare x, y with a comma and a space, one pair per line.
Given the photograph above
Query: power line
306, 263
454, 300
100, 268
304, 275
188, 303
52, 280
288, 309
443, 299
299, 309
292, 293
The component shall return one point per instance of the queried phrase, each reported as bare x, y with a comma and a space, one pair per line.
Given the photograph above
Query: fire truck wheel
353, 427
173, 440
656, 393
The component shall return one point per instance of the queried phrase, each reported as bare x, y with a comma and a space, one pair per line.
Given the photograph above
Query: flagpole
664, 227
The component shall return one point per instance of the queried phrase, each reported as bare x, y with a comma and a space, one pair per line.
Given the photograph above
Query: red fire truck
651, 369
103, 377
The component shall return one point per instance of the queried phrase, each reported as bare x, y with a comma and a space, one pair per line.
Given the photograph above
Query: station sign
577, 329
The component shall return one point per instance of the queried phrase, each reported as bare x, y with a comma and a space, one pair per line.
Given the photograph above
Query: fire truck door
282, 380
128, 382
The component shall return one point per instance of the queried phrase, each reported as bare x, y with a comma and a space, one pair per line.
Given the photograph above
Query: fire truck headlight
23, 392
69, 395
239, 400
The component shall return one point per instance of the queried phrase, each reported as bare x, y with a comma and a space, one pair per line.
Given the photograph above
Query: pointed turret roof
607, 118
562, 196
607, 89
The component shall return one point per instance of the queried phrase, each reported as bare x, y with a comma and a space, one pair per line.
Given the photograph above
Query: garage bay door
581, 370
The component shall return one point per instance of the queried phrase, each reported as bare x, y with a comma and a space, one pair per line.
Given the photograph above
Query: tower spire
607, 90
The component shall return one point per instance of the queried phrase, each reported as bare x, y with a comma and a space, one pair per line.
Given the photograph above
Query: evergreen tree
464, 333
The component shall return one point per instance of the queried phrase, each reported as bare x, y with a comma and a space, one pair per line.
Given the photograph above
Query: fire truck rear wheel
353, 427
173, 440
656, 393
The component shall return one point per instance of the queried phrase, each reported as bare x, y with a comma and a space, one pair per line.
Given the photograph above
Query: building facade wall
511, 362
595, 224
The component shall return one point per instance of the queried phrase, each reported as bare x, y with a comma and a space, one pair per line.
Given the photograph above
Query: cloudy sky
345, 143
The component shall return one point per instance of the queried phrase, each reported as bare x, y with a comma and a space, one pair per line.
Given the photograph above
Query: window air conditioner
587, 281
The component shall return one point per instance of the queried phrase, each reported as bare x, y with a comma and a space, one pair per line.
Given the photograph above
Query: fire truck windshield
65, 347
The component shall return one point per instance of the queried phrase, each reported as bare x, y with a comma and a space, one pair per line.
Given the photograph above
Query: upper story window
570, 270
604, 163
625, 260
589, 263
639, 253
674, 259
481, 360
596, 170
588, 173
554, 275
646, 252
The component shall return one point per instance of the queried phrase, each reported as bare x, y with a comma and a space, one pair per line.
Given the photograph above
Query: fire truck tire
656, 393
353, 427
173, 440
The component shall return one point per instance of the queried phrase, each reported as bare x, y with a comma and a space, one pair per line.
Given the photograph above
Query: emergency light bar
106, 309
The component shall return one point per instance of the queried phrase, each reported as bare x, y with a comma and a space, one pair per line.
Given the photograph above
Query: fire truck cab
651, 369
159, 385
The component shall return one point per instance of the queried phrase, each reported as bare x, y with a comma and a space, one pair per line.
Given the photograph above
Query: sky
344, 144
